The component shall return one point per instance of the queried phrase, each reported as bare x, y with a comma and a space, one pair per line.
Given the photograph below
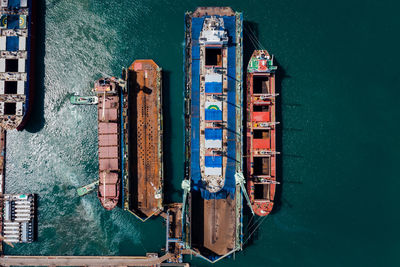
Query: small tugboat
86, 189
83, 100
261, 145
107, 90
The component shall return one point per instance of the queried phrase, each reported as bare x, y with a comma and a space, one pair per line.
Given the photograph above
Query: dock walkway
149, 260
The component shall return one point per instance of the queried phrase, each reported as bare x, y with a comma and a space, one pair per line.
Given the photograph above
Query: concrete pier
149, 260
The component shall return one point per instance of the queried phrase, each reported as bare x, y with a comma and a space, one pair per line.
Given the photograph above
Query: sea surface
339, 84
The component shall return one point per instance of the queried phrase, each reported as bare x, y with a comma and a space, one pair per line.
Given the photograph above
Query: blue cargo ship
212, 209
15, 62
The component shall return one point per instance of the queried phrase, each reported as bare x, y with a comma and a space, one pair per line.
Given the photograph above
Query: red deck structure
261, 145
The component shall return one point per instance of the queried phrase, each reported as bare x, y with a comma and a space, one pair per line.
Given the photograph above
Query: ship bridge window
261, 191
10, 108
213, 56
10, 87
11, 65
260, 85
261, 166
257, 108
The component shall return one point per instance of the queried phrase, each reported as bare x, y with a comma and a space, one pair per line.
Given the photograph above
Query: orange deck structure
145, 138
261, 146
108, 134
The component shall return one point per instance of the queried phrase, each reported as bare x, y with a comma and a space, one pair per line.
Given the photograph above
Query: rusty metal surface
146, 137
219, 225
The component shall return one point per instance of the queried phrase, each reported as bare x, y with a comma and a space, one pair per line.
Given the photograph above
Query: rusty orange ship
145, 135
107, 90
261, 123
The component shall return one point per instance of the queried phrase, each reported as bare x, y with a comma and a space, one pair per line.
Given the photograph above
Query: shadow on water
36, 118
169, 189
250, 35
280, 75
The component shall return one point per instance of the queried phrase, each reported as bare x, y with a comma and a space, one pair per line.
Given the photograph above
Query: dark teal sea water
339, 81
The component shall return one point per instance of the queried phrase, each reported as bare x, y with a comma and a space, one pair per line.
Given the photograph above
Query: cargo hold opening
261, 191
10, 108
261, 166
257, 108
213, 56
11, 65
260, 134
10, 87
261, 85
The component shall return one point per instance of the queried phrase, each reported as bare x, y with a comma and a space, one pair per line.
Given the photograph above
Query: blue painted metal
213, 87
12, 21
213, 134
213, 161
12, 43
229, 185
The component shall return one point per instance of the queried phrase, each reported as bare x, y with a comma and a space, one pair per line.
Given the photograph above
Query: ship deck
213, 216
261, 145
145, 132
108, 149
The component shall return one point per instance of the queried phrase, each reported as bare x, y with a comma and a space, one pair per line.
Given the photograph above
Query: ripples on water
80, 46
339, 138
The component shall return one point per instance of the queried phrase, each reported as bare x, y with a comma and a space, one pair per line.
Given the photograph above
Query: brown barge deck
145, 138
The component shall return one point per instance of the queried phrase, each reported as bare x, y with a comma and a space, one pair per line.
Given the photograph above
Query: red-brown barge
261, 144
145, 120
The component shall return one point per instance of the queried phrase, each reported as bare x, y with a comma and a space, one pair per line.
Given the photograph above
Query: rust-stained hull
146, 167
261, 123
108, 110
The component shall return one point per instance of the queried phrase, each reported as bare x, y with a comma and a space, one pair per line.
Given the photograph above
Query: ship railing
186, 210
239, 127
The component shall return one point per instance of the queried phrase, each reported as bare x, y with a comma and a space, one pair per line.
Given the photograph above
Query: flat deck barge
145, 139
